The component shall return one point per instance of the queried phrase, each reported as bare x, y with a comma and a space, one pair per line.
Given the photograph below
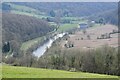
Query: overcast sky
60, 0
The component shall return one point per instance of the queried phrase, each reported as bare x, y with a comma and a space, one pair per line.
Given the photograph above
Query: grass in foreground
24, 72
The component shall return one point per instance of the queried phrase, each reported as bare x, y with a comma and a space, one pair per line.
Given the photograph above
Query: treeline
104, 60
20, 28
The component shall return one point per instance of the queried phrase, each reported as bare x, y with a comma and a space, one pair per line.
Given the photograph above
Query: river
42, 49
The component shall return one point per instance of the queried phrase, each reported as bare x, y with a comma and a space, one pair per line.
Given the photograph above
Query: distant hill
93, 10
69, 8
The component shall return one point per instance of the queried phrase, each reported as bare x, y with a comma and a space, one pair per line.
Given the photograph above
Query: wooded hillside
19, 28
110, 16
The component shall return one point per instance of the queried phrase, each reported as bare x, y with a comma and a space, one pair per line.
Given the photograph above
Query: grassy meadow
23, 10
65, 27
25, 72
26, 45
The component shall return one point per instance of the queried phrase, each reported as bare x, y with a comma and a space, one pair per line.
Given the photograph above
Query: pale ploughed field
93, 42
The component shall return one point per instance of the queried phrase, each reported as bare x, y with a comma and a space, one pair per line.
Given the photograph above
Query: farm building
83, 26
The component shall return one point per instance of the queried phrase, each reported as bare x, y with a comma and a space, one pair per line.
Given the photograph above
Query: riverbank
30, 43
26, 45
42, 48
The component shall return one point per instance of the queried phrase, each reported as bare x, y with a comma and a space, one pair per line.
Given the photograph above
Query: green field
72, 18
23, 10
26, 45
28, 14
24, 72
65, 27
